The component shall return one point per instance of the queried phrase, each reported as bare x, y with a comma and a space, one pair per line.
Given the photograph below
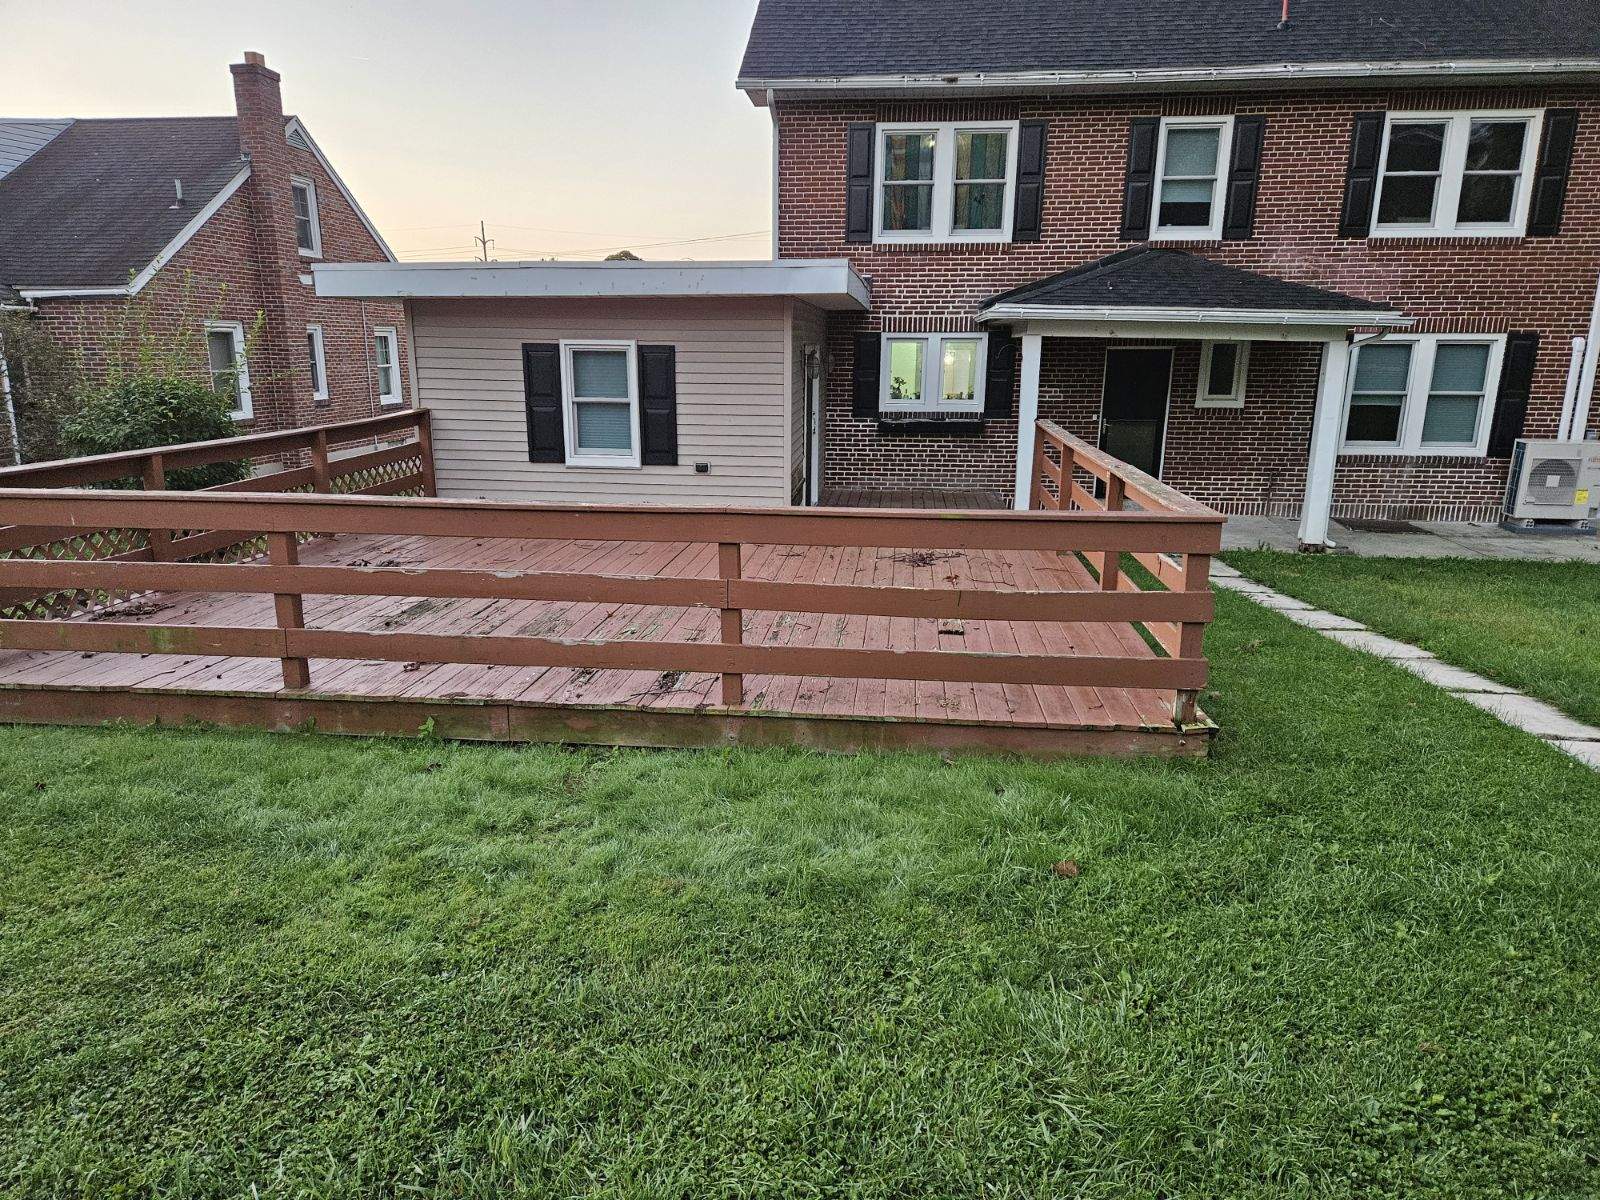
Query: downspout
10, 405
1591, 358
1569, 402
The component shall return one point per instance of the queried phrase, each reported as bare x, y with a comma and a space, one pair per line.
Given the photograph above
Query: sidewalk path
1520, 711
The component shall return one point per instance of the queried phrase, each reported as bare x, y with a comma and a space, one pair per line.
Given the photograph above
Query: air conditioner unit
1553, 481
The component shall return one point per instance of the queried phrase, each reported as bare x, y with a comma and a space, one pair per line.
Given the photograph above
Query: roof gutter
1012, 82
1196, 316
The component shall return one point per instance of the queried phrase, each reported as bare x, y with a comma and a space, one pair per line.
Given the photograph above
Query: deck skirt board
515, 695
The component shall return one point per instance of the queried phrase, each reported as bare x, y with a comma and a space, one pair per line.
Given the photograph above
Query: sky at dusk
572, 127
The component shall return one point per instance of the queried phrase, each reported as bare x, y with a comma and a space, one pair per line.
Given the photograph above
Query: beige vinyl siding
807, 330
732, 397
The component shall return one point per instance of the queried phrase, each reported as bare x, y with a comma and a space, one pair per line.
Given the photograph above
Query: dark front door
1133, 407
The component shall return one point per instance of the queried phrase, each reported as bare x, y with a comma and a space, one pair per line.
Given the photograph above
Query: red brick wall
243, 266
1246, 460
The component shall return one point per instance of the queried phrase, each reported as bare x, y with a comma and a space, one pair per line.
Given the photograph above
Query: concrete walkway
1424, 539
1522, 712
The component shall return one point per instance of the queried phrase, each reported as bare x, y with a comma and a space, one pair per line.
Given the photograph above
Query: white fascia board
1013, 82
349, 198
168, 252
1193, 316
826, 283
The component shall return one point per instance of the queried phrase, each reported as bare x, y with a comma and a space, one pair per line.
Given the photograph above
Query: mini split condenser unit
1554, 481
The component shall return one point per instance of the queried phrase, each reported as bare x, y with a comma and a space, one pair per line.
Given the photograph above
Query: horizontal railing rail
1183, 569
284, 519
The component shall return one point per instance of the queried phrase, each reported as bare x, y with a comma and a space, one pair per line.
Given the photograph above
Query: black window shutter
1000, 379
1244, 177
1027, 221
541, 383
864, 397
1516, 387
1550, 175
658, 405
859, 139
1361, 179
1140, 190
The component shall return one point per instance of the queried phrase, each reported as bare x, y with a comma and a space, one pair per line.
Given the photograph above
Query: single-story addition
705, 382
619, 382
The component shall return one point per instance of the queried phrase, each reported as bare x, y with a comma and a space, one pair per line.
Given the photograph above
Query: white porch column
1027, 419
1326, 434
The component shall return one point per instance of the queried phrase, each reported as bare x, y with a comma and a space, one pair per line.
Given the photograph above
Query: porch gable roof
1149, 283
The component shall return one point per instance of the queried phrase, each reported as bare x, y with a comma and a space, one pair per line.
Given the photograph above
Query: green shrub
138, 411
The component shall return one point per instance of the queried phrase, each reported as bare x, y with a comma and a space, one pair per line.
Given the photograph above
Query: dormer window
946, 182
307, 228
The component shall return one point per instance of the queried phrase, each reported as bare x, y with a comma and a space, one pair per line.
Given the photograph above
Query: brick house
1333, 265
206, 227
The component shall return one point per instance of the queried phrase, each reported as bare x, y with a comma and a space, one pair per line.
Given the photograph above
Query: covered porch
1176, 337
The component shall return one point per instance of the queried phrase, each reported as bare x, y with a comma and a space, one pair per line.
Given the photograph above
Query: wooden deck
948, 499
616, 706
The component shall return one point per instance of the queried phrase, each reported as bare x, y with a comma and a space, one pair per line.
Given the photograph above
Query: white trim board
825, 283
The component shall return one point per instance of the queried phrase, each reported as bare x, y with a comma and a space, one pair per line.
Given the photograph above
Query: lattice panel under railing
98, 544
370, 478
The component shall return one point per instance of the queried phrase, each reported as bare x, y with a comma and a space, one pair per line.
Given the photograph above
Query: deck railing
283, 519
402, 466
1072, 476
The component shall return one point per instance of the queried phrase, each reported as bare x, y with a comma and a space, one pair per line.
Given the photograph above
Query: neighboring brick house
1238, 200
206, 227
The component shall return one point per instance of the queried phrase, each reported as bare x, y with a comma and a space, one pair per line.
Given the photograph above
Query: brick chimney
280, 371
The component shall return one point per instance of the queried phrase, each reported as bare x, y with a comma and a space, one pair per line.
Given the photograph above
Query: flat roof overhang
825, 283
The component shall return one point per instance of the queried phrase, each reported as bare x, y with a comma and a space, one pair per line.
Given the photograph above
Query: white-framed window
230, 372
1444, 174
1428, 394
932, 372
1191, 163
945, 181
386, 364
307, 226
1224, 368
600, 402
318, 361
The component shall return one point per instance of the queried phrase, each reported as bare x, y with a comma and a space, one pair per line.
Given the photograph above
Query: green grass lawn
1357, 953
1532, 625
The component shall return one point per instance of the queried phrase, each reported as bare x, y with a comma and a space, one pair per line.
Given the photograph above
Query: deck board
611, 705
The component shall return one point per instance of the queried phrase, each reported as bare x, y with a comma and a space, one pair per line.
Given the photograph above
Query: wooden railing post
155, 480
430, 482
729, 566
1066, 477
320, 478
1111, 560
1036, 489
283, 551
1191, 634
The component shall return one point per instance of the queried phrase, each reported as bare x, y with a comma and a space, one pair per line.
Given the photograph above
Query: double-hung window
1191, 162
932, 373
225, 360
307, 226
1423, 395
318, 361
600, 398
949, 182
1456, 173
386, 363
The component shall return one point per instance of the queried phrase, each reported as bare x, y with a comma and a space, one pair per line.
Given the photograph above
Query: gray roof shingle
831, 38
97, 202
1149, 277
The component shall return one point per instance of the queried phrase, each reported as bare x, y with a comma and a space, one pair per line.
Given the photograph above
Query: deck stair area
339, 593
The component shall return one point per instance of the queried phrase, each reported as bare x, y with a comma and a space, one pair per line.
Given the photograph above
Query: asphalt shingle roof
830, 38
1149, 277
96, 203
